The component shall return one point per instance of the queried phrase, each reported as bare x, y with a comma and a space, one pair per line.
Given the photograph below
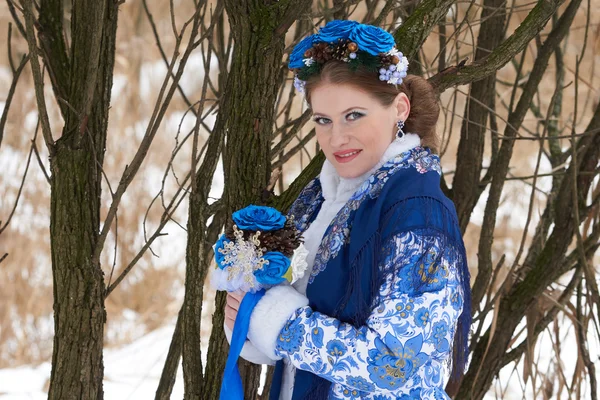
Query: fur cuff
249, 352
270, 316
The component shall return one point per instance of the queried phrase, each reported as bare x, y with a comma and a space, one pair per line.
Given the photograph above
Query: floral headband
350, 42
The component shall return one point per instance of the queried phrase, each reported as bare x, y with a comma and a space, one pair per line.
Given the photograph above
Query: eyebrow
343, 112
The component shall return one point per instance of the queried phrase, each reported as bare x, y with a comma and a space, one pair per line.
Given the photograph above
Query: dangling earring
400, 132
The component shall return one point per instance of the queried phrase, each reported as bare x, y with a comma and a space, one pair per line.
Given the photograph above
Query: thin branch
161, 49
11, 93
40, 163
179, 146
166, 217
9, 49
387, 8
112, 269
2, 228
590, 274
157, 116
13, 13
300, 146
527, 30
555, 95
550, 316
37, 76
287, 137
580, 328
141, 252
199, 113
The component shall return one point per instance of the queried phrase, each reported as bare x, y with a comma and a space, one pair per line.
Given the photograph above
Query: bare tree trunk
489, 351
169, 372
247, 116
466, 186
82, 79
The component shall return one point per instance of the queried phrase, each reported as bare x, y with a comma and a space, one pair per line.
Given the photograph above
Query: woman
383, 311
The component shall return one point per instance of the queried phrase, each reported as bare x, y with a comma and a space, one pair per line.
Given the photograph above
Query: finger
230, 319
239, 295
232, 307
232, 300
231, 312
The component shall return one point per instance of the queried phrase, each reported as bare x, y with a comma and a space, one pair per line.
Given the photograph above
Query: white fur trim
249, 352
270, 315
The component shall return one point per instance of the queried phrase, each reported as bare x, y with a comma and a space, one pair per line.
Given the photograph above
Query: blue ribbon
231, 386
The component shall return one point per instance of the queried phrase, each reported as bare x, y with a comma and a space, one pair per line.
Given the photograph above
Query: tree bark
411, 35
467, 186
247, 116
501, 55
466, 183
79, 314
487, 357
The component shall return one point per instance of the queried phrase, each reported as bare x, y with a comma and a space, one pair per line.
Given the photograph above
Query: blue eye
354, 115
322, 120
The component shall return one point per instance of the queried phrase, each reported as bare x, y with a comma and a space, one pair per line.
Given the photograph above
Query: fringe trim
444, 231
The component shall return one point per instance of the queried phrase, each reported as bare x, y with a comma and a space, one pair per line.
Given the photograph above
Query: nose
339, 136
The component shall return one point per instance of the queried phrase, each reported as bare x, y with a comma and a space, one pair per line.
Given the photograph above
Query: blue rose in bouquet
257, 251
255, 218
274, 270
372, 39
261, 249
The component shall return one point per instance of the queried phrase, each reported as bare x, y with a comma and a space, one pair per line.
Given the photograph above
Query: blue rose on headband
298, 52
372, 39
258, 218
220, 257
336, 29
272, 273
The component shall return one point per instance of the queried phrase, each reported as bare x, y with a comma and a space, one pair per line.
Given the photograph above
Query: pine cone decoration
340, 50
322, 52
386, 59
285, 240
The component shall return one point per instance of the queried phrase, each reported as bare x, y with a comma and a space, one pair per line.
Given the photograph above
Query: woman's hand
234, 299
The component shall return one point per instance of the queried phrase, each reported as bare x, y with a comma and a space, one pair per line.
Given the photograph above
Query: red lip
339, 155
343, 152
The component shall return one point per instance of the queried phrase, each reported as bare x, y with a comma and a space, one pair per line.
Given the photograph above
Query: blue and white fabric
392, 337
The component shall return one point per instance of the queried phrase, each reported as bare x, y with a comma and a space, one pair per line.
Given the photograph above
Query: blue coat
388, 290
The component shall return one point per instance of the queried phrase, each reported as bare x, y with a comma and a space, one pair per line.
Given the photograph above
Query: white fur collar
334, 186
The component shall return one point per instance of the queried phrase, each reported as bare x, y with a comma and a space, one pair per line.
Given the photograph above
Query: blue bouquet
262, 249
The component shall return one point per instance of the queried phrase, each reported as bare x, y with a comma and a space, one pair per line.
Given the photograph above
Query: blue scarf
403, 195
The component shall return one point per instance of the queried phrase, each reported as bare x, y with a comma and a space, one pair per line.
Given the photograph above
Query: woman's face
353, 128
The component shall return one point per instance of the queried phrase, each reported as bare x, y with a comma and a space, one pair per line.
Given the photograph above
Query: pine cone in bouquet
284, 240
260, 249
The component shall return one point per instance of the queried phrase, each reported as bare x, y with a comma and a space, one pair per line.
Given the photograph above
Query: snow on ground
131, 372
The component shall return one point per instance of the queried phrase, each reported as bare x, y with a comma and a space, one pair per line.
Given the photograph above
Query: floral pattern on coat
306, 205
403, 351
338, 232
